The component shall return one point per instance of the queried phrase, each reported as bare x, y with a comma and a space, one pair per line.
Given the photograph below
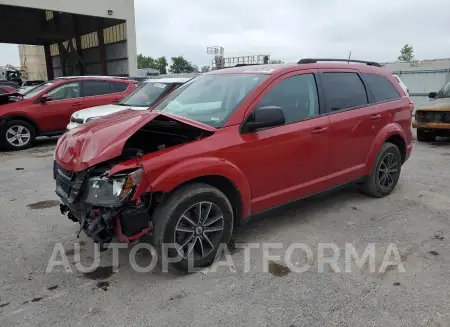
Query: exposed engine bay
108, 206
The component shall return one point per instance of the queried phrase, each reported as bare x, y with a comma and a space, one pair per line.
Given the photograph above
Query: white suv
148, 92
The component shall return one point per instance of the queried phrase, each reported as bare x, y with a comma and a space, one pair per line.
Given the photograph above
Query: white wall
32, 62
122, 9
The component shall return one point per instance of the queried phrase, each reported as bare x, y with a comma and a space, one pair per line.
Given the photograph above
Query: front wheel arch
227, 187
213, 171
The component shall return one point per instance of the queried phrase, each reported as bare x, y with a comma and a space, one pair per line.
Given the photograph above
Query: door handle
76, 104
375, 117
319, 130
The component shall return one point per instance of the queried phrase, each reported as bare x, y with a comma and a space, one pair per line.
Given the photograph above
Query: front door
55, 114
287, 162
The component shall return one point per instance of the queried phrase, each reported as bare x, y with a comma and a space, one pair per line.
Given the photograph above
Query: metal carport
79, 37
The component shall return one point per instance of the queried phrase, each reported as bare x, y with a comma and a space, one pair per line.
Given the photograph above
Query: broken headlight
111, 191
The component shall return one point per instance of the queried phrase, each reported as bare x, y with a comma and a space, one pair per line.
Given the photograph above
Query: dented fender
384, 134
190, 169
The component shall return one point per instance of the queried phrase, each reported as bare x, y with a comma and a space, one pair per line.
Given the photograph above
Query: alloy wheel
388, 170
18, 135
199, 230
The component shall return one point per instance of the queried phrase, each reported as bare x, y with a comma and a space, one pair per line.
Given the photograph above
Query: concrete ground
415, 217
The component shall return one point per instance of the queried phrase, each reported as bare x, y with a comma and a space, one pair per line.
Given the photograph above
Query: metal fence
422, 77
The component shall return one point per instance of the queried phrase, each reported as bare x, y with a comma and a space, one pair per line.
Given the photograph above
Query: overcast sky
288, 29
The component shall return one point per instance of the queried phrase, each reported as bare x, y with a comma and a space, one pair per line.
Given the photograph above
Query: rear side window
119, 86
343, 91
381, 87
92, 88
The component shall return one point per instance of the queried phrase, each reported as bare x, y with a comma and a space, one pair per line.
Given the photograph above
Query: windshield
36, 90
210, 99
146, 94
444, 92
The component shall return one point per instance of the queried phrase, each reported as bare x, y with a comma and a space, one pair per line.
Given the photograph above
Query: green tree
181, 65
161, 65
406, 53
205, 69
148, 62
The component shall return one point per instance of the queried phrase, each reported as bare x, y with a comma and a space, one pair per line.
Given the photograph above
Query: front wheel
385, 173
192, 225
18, 135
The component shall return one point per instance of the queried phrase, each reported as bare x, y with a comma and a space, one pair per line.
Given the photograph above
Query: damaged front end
112, 197
102, 204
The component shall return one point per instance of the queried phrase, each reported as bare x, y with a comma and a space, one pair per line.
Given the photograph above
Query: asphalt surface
415, 217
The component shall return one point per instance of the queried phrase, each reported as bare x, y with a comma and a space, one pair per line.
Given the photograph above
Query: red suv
229, 144
46, 109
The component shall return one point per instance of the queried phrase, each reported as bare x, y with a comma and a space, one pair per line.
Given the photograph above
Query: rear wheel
423, 136
18, 135
385, 173
192, 225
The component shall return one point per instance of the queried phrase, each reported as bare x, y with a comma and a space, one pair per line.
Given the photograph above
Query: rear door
101, 92
354, 122
55, 114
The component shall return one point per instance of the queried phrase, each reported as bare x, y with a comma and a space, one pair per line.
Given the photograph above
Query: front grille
68, 183
433, 116
77, 120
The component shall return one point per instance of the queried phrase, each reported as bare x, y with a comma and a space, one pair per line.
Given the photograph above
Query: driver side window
296, 95
65, 91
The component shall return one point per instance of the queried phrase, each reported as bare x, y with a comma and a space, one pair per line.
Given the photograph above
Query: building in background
81, 37
32, 62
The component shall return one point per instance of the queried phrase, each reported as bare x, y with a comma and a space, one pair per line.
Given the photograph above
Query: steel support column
49, 62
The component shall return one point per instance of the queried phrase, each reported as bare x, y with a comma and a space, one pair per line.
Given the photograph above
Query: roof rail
315, 60
240, 65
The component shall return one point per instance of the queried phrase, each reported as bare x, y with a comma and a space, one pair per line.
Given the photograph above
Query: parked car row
227, 145
64, 103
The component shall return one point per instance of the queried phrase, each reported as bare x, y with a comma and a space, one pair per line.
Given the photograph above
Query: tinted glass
2, 91
296, 95
211, 99
92, 88
343, 90
444, 92
119, 87
35, 91
65, 91
146, 94
382, 89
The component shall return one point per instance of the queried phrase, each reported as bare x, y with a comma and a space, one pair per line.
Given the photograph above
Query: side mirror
45, 98
266, 117
432, 95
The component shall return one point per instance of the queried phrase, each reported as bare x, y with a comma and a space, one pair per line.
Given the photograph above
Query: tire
423, 136
185, 202
25, 128
375, 185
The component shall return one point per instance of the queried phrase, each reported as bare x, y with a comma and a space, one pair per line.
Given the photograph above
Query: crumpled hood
436, 105
103, 139
100, 111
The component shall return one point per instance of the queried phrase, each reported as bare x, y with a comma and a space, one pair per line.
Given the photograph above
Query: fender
187, 170
384, 134
20, 116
